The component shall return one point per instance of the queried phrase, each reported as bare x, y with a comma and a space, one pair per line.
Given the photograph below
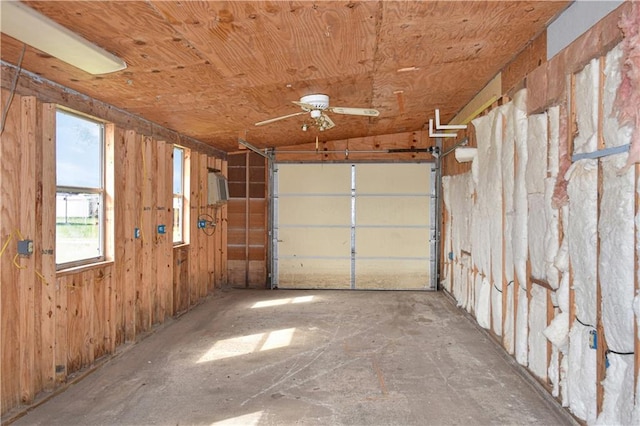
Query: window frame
181, 196
100, 191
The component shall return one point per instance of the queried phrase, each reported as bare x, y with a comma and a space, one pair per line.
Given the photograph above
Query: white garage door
354, 226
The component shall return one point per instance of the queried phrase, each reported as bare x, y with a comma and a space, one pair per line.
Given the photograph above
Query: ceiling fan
316, 105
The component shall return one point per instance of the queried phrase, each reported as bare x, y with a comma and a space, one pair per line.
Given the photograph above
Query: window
80, 190
178, 194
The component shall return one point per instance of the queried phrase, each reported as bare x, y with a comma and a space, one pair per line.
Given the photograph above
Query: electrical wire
209, 223
496, 287
6, 244
609, 351
5, 112
586, 325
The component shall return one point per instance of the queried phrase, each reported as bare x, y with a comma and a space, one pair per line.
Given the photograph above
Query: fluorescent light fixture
28, 26
407, 69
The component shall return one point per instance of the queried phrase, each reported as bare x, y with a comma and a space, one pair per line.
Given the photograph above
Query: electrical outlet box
162, 229
136, 232
202, 224
25, 247
593, 339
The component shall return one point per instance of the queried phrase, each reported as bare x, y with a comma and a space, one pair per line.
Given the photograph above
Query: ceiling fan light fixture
318, 101
31, 27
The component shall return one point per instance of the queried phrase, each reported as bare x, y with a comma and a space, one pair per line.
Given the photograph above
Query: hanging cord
586, 325
496, 287
210, 220
610, 351
5, 112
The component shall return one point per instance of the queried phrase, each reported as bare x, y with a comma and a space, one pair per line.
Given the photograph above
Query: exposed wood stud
601, 349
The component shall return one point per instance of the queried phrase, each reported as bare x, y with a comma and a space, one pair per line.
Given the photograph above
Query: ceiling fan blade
355, 111
328, 122
271, 120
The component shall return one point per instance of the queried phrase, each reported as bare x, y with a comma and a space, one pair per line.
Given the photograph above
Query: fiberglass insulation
508, 158
494, 189
447, 279
458, 192
520, 217
481, 219
616, 263
582, 236
537, 324
521, 213
628, 94
586, 94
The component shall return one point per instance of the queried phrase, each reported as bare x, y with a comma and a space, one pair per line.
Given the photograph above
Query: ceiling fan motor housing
320, 102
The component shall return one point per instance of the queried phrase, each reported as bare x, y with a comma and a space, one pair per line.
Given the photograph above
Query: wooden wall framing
56, 324
248, 220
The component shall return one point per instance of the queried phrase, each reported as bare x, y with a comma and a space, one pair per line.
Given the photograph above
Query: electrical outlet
162, 229
25, 247
136, 232
593, 339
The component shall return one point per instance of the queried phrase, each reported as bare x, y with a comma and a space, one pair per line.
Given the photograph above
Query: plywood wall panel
166, 173
26, 229
9, 158
147, 232
223, 231
48, 297
163, 242
194, 193
202, 237
180, 280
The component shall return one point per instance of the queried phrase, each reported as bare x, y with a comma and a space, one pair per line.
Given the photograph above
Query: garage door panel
385, 274
393, 178
392, 242
376, 235
314, 179
315, 273
310, 242
392, 210
325, 210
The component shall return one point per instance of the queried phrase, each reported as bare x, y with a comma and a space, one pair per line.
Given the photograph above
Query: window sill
181, 245
83, 268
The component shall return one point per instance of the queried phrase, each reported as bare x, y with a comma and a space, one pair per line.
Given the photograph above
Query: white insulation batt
494, 190
508, 179
457, 194
520, 217
537, 325
587, 85
520, 210
581, 373
616, 263
447, 279
582, 236
535, 178
513, 228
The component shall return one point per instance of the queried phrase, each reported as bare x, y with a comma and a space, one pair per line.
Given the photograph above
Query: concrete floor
251, 357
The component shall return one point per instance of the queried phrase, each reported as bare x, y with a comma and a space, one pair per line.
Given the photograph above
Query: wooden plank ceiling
210, 70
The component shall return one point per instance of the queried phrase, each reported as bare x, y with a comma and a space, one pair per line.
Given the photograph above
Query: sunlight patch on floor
278, 302
244, 345
251, 419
